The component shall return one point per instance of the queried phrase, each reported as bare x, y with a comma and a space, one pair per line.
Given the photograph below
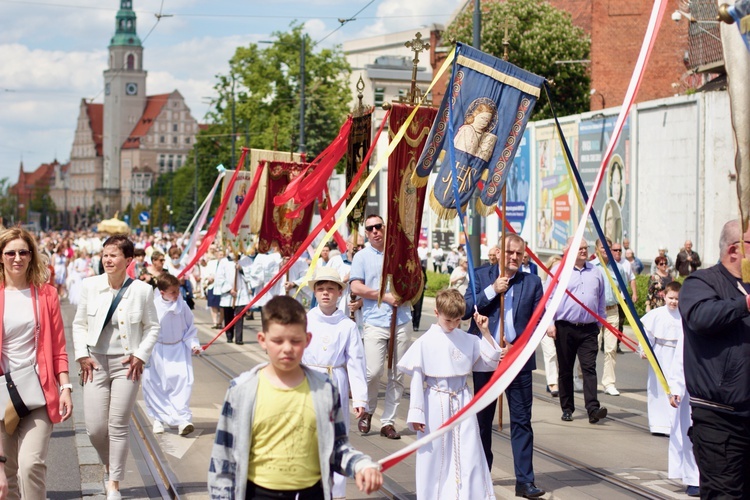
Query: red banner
401, 267
289, 233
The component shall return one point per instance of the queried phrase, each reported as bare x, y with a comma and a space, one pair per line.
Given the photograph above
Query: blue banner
492, 101
740, 12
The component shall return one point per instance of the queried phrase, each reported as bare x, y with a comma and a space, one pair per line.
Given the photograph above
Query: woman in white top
32, 334
112, 345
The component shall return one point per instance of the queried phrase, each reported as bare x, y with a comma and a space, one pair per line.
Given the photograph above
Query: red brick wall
617, 28
617, 33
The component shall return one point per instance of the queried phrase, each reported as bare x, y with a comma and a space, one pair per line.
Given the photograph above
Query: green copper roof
125, 33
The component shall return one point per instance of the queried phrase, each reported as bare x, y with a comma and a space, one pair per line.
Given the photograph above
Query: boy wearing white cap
336, 349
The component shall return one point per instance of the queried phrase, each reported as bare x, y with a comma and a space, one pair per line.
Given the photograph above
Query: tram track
154, 463
230, 367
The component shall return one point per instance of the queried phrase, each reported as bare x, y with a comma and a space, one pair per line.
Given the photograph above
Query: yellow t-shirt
284, 447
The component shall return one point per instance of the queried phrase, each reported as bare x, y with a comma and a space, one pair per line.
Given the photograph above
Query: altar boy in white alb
439, 362
663, 327
168, 377
336, 349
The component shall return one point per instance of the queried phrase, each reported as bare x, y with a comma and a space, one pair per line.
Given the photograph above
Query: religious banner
401, 267
236, 194
257, 208
740, 13
359, 145
484, 115
288, 232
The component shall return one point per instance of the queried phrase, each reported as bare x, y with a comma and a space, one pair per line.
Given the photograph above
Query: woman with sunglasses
657, 283
32, 333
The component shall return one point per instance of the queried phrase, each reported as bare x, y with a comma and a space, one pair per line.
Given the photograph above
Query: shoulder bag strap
115, 302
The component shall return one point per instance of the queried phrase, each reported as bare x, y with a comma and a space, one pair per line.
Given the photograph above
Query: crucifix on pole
417, 45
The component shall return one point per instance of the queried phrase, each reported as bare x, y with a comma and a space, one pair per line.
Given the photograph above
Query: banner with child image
288, 232
360, 137
484, 116
401, 267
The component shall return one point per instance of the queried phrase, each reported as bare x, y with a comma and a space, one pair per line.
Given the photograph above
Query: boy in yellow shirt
281, 432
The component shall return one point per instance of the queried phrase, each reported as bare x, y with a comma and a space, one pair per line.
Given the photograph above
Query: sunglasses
11, 254
617, 249
372, 228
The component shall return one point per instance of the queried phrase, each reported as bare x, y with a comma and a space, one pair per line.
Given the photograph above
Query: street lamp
301, 148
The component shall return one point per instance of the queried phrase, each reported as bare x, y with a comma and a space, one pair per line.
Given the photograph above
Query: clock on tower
131, 88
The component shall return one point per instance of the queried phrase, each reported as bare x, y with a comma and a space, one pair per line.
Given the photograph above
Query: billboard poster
612, 203
557, 208
518, 184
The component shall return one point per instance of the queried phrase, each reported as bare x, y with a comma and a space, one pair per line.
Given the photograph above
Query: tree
264, 86
8, 204
539, 35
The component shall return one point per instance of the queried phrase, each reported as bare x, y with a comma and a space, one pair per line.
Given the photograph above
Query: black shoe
567, 416
597, 415
528, 490
230, 341
693, 491
239, 342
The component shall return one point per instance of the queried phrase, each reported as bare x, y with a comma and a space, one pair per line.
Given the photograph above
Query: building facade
122, 146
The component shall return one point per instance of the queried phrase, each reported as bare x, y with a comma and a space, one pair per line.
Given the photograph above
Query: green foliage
435, 283
8, 202
263, 87
538, 35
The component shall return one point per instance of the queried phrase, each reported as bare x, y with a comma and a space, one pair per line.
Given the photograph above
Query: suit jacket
527, 292
139, 332
51, 357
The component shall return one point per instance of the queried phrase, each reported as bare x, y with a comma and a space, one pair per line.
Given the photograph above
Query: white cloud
398, 15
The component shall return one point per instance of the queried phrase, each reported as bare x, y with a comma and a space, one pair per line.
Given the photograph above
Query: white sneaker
158, 428
185, 429
114, 495
611, 390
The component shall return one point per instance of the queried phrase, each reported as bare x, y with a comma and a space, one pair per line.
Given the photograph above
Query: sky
53, 53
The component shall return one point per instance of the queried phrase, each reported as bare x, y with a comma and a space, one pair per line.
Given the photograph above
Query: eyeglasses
617, 249
662, 264
372, 228
11, 254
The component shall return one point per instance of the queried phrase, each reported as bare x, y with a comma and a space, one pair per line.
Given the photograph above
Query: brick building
616, 28
30, 185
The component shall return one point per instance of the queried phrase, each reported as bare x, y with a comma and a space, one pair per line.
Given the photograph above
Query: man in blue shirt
575, 332
364, 279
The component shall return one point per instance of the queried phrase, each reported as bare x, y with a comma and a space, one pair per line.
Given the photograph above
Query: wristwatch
3, 459
66, 386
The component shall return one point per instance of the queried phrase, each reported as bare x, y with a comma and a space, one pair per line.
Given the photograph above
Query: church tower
124, 101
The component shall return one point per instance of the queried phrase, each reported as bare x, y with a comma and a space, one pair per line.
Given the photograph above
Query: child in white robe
439, 362
681, 459
168, 377
663, 328
336, 349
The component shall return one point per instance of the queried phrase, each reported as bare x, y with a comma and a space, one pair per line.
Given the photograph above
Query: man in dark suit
523, 291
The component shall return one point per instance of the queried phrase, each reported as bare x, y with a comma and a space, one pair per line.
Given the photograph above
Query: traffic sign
143, 217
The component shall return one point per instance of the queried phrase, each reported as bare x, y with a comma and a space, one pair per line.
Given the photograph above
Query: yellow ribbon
381, 163
640, 335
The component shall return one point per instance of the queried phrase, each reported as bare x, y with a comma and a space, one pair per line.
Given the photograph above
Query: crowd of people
328, 342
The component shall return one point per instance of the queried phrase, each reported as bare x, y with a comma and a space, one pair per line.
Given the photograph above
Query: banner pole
501, 330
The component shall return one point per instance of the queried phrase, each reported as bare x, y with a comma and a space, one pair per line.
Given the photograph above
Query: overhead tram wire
344, 21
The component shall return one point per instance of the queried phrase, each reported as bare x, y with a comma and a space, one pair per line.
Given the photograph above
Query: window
131, 61
379, 96
174, 139
162, 139
179, 161
170, 162
174, 127
187, 140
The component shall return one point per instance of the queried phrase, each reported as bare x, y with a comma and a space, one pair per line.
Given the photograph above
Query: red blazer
51, 356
